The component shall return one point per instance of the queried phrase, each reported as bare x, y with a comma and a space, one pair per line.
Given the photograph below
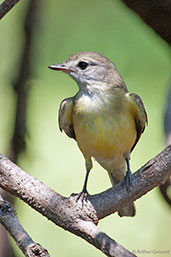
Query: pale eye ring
82, 65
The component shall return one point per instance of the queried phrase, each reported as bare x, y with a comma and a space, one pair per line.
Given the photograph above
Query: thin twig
6, 6
156, 14
167, 118
164, 189
8, 218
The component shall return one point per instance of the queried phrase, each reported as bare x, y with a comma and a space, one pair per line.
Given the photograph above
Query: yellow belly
104, 137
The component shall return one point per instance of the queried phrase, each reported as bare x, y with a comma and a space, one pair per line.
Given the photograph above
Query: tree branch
152, 174
156, 14
6, 6
20, 85
167, 118
9, 220
21, 89
81, 219
167, 128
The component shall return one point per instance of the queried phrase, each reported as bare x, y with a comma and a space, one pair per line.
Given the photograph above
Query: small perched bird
103, 117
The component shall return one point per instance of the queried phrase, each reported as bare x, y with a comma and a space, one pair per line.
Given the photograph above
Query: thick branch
79, 219
6, 6
65, 212
152, 174
8, 218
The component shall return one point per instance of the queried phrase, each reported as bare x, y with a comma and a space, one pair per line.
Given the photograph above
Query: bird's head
90, 69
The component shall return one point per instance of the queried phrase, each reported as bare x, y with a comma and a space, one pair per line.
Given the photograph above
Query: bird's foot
128, 180
82, 196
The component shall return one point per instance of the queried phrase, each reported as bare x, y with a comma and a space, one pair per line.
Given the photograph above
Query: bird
103, 117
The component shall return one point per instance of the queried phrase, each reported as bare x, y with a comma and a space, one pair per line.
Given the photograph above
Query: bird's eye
82, 65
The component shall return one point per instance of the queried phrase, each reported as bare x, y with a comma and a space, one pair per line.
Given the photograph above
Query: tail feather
128, 209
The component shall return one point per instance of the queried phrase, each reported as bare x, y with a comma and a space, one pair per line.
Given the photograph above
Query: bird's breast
102, 131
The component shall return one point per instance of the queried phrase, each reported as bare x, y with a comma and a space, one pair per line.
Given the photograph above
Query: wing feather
65, 117
140, 116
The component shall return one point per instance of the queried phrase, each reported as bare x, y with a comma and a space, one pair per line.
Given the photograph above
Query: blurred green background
143, 59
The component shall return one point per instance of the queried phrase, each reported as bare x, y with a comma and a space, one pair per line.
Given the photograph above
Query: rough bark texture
76, 217
10, 221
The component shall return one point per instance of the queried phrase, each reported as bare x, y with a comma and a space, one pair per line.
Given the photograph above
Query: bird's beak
61, 67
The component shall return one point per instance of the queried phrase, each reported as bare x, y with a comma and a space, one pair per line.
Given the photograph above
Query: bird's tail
128, 209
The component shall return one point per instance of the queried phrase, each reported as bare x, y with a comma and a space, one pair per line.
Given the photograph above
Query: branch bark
167, 128
6, 6
8, 218
76, 217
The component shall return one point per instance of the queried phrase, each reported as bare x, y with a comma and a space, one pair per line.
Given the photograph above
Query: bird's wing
140, 115
65, 117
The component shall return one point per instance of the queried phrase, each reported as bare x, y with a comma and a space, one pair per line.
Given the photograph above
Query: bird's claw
82, 196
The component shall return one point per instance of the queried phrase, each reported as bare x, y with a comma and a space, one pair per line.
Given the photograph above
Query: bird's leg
128, 177
84, 193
